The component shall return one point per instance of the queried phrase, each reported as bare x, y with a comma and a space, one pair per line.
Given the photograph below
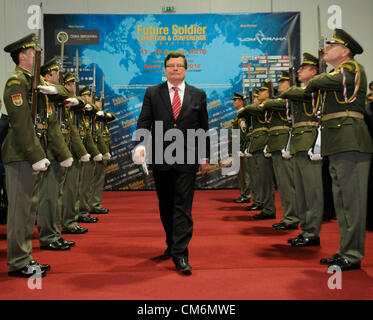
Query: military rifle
269, 80
93, 100
322, 63
62, 38
36, 76
76, 87
102, 102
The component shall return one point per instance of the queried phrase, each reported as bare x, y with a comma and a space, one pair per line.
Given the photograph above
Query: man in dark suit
180, 107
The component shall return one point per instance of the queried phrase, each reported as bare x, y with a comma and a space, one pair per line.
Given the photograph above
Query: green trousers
283, 170
349, 172
49, 212
21, 185
98, 184
67, 198
309, 193
244, 181
264, 183
85, 188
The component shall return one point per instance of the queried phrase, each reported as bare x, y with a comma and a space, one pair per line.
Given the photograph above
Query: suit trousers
69, 195
175, 191
98, 184
283, 170
309, 193
21, 185
49, 212
349, 172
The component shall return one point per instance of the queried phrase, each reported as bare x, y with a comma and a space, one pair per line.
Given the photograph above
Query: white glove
227, 162
88, 107
247, 153
107, 156
41, 165
67, 163
139, 154
71, 102
100, 113
85, 158
314, 156
267, 154
48, 89
286, 154
98, 157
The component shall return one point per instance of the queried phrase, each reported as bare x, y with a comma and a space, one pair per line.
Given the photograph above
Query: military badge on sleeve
17, 99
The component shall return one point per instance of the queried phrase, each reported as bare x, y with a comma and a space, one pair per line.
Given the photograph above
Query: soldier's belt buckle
41, 126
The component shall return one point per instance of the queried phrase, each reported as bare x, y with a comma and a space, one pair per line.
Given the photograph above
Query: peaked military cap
284, 76
68, 76
25, 42
84, 91
342, 37
256, 93
237, 95
49, 66
265, 86
309, 59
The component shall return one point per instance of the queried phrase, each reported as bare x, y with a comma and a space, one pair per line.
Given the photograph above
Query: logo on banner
260, 37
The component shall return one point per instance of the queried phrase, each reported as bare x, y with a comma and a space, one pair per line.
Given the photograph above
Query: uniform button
174, 125
338, 125
173, 138
302, 131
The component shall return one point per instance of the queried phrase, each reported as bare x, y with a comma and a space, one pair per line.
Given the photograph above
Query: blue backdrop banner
226, 53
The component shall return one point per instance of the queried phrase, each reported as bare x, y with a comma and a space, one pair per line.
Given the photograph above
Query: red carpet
233, 256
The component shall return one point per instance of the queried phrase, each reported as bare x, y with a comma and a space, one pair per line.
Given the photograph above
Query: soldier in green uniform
307, 170
70, 188
49, 213
87, 169
24, 159
278, 134
102, 119
244, 183
257, 138
346, 141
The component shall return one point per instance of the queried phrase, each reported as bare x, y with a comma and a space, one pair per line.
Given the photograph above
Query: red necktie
176, 103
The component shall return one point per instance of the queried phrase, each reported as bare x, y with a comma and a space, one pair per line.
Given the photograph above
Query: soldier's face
334, 53
52, 77
283, 85
237, 103
70, 86
175, 70
305, 73
263, 94
27, 58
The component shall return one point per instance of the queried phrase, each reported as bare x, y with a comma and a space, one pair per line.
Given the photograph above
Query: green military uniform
244, 181
263, 181
100, 168
69, 193
88, 168
307, 172
49, 213
22, 149
346, 141
278, 134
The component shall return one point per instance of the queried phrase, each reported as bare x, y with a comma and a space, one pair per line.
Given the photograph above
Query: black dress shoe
183, 266
328, 261
242, 200
56, 246
45, 267
290, 240
167, 254
284, 226
264, 216
305, 242
75, 230
87, 219
254, 207
345, 264
28, 271
65, 242
99, 210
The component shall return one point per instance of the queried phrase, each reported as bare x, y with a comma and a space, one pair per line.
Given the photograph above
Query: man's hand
41, 165
88, 107
48, 89
204, 166
139, 155
71, 102
107, 156
98, 157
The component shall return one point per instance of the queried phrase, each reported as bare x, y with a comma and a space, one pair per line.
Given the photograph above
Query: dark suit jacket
193, 115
